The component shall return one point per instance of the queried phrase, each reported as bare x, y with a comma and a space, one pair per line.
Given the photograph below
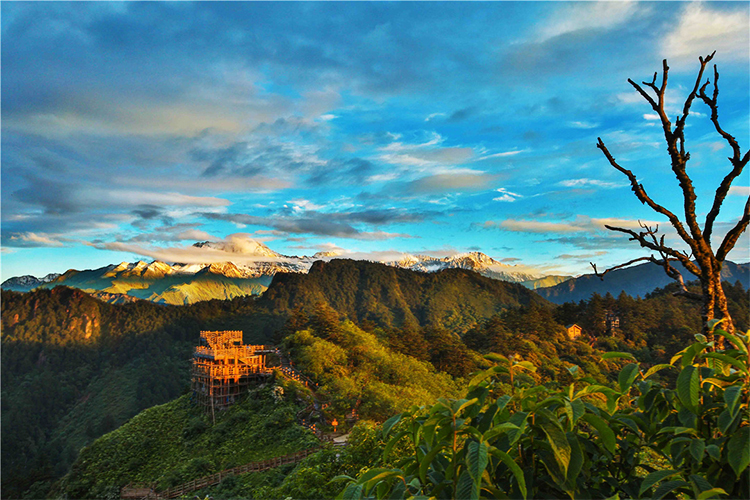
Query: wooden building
611, 322
224, 367
574, 331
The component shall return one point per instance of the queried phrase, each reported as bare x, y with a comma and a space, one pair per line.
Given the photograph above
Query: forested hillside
454, 299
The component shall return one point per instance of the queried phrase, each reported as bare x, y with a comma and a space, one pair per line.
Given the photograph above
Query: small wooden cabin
223, 368
574, 331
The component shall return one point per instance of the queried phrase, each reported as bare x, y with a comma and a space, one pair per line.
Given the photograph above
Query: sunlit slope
158, 283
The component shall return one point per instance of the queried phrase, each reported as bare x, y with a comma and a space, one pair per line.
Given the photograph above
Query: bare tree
701, 260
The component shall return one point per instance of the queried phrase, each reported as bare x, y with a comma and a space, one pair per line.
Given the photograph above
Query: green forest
97, 396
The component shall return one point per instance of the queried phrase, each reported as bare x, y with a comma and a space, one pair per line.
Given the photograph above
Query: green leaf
616, 355
576, 458
725, 421
353, 492
712, 493
627, 376
392, 443
379, 477
691, 352
606, 434
479, 377
526, 365
732, 397
655, 369
700, 483
733, 339
476, 459
739, 365
678, 430
713, 451
594, 389
654, 478
493, 432
713, 322
341, 477
514, 468
697, 448
461, 404
667, 487
388, 424
688, 387
426, 461
738, 450
700, 338
466, 487
502, 402
497, 358
559, 443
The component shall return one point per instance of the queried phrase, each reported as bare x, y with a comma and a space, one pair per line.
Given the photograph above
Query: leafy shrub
637, 440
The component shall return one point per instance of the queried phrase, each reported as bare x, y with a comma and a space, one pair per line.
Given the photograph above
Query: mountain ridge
250, 273
635, 281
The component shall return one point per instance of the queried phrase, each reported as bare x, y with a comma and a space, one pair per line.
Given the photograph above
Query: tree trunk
709, 303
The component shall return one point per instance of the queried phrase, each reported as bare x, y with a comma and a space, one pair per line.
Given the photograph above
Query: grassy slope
175, 442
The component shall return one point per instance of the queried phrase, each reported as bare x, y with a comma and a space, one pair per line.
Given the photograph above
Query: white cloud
581, 224
583, 125
35, 240
578, 16
503, 154
300, 205
702, 29
590, 182
740, 190
507, 195
650, 116
433, 115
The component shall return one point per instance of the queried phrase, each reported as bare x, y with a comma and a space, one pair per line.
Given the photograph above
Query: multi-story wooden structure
223, 368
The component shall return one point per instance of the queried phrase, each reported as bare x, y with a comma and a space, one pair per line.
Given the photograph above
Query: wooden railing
206, 481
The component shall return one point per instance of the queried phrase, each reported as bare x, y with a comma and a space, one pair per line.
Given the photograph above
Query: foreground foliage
639, 440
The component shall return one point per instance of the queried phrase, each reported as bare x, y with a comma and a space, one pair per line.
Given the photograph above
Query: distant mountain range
255, 266
251, 266
635, 281
27, 282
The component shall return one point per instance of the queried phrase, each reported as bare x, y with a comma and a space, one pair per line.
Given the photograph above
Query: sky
133, 130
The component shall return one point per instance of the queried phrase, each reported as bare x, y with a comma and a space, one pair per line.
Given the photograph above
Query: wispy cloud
591, 182
573, 17
507, 195
705, 27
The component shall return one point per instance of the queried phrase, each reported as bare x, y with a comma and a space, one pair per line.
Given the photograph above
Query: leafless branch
733, 235
737, 160
669, 269
619, 266
652, 244
644, 198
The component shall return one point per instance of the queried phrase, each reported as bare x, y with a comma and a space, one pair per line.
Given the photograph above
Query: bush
636, 440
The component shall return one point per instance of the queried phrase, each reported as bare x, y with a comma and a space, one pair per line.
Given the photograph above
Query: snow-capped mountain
473, 261
27, 282
240, 266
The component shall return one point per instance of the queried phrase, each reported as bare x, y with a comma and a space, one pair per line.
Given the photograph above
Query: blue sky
132, 130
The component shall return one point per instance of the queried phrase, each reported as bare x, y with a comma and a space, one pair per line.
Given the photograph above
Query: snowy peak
228, 269
27, 282
473, 261
241, 246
